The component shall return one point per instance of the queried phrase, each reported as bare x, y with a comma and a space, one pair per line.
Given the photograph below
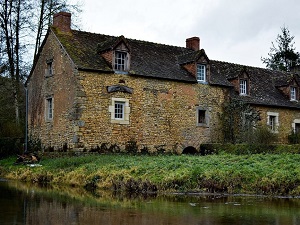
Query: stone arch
190, 150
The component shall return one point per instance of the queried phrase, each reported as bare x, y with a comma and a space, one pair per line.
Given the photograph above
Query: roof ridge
256, 67
131, 39
94, 33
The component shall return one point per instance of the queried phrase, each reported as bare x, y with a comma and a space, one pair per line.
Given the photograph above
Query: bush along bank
248, 149
268, 174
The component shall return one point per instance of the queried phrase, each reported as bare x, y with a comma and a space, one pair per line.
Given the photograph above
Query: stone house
87, 90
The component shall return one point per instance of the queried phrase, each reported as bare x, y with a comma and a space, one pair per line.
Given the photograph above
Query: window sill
118, 121
121, 72
202, 82
202, 125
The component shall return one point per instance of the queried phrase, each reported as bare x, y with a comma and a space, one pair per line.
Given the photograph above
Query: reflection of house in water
87, 89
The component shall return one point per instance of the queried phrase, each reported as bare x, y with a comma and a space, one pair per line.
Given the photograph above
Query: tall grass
255, 174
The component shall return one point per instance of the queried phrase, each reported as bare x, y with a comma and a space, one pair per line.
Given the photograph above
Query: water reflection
31, 205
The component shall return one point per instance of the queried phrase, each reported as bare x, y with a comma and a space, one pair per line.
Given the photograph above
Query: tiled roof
263, 90
147, 59
165, 62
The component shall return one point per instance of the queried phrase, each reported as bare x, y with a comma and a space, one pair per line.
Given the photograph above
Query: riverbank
268, 174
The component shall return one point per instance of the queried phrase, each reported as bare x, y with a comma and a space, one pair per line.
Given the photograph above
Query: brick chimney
193, 43
62, 21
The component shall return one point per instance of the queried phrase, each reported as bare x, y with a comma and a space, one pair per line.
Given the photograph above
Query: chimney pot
62, 21
193, 43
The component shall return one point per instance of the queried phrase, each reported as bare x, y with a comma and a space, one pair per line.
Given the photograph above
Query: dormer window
243, 87
121, 61
201, 73
293, 93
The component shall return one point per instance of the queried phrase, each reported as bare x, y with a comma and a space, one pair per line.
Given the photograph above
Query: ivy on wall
239, 120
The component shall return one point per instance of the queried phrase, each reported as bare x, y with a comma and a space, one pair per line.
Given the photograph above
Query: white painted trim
276, 114
126, 112
294, 124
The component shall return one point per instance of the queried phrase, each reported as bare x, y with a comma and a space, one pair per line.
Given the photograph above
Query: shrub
294, 138
11, 146
34, 145
244, 149
263, 136
131, 147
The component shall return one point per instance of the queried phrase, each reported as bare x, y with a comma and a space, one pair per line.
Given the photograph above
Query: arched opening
190, 150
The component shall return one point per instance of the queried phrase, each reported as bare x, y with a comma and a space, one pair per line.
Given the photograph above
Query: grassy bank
252, 174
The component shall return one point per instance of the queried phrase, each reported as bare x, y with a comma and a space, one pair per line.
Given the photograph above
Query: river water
28, 204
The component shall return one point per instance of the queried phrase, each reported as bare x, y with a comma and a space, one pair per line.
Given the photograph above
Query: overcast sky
237, 31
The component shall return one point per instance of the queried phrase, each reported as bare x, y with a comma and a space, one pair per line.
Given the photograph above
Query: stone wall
286, 118
162, 113
61, 86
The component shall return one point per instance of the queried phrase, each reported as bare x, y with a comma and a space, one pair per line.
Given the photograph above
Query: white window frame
49, 111
201, 73
243, 86
119, 115
273, 124
293, 93
206, 117
121, 61
119, 110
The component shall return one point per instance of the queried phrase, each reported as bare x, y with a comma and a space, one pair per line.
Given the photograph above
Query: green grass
253, 174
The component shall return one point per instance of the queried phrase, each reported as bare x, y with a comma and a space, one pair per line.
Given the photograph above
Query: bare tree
47, 8
17, 23
11, 26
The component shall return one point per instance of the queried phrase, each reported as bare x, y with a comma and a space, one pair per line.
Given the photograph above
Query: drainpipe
26, 120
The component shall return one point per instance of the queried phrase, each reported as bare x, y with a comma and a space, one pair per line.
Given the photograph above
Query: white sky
237, 31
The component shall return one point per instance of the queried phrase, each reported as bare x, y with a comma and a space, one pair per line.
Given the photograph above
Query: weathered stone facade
61, 85
162, 113
285, 124
170, 97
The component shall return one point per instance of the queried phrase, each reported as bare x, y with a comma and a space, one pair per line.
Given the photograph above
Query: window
296, 126
49, 70
121, 61
293, 93
243, 87
201, 73
202, 117
49, 108
119, 110
273, 121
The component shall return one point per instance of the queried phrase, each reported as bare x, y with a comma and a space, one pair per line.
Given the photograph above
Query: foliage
34, 145
262, 135
283, 56
238, 120
11, 146
294, 138
256, 174
131, 147
247, 149
8, 125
